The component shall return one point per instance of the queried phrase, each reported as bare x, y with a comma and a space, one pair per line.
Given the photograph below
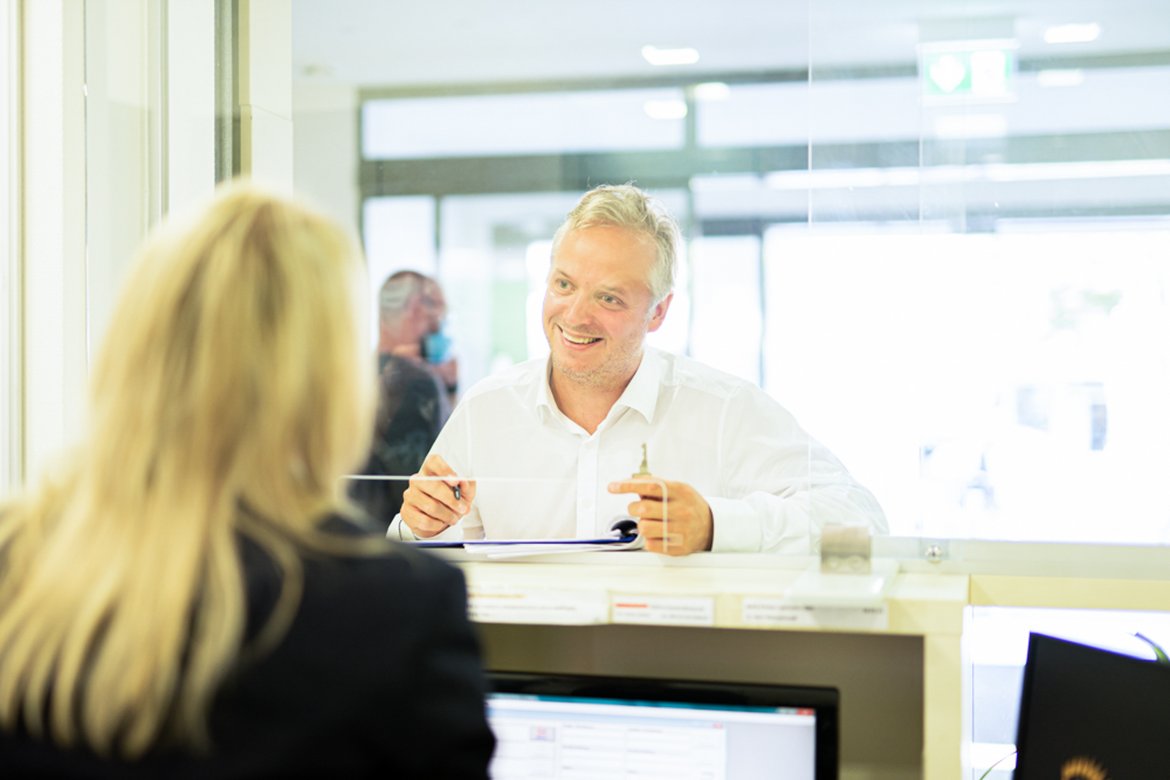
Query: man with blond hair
732, 469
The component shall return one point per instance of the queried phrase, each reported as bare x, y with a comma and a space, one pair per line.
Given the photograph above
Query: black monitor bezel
825, 701
1065, 669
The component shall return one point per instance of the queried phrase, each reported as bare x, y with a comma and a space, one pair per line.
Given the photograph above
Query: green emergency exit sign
967, 73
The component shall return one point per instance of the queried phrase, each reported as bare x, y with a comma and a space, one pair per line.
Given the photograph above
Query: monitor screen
568, 726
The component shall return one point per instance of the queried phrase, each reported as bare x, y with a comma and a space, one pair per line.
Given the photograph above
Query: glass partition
983, 268
938, 239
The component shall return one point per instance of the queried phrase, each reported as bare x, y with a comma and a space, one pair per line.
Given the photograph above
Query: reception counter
891, 642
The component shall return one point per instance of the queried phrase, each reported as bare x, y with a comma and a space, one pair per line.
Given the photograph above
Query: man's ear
658, 313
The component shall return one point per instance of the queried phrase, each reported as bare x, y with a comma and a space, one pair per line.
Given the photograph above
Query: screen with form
658, 730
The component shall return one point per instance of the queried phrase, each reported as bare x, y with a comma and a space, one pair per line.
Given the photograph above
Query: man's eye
610, 300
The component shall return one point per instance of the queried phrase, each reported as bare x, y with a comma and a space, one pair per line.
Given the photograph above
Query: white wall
118, 127
265, 91
150, 130
10, 433
325, 148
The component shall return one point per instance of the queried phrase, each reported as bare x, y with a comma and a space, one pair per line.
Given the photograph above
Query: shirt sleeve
779, 486
453, 445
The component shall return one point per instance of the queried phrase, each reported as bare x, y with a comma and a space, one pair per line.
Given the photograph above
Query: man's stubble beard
607, 377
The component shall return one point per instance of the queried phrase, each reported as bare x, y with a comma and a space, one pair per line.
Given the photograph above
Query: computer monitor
573, 726
1088, 713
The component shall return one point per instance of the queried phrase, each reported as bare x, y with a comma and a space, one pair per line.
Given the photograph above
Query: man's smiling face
598, 307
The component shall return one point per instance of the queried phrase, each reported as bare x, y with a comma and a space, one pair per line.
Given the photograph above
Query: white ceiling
395, 43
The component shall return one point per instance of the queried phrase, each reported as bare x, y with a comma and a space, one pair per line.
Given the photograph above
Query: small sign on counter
775, 612
663, 610
537, 606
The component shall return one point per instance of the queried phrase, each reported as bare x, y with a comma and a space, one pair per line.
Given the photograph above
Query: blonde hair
626, 206
231, 395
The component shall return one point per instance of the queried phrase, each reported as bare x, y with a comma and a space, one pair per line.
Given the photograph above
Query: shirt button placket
587, 455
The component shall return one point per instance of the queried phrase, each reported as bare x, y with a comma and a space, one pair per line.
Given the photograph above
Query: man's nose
577, 308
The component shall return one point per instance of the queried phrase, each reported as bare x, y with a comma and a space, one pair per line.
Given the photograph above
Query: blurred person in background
412, 315
187, 593
417, 383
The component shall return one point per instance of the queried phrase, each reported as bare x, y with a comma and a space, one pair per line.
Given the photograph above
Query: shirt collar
545, 405
641, 394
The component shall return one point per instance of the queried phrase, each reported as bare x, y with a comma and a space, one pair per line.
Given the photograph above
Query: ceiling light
712, 90
677, 56
728, 182
905, 176
1072, 33
1069, 77
665, 109
970, 126
1095, 169
842, 178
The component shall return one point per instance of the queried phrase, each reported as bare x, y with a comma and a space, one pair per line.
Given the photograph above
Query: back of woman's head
231, 394
235, 359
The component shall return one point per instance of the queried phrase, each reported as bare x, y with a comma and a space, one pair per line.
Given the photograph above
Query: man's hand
689, 525
412, 351
429, 506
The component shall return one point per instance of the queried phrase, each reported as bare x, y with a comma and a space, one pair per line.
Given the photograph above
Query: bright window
996, 386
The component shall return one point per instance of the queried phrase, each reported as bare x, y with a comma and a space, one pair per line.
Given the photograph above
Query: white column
120, 136
326, 148
190, 102
11, 438
265, 91
150, 129
53, 227
118, 129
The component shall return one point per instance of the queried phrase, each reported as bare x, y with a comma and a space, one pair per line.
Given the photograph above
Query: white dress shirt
771, 487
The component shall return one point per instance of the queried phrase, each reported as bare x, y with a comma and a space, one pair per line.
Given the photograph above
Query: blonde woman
187, 593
